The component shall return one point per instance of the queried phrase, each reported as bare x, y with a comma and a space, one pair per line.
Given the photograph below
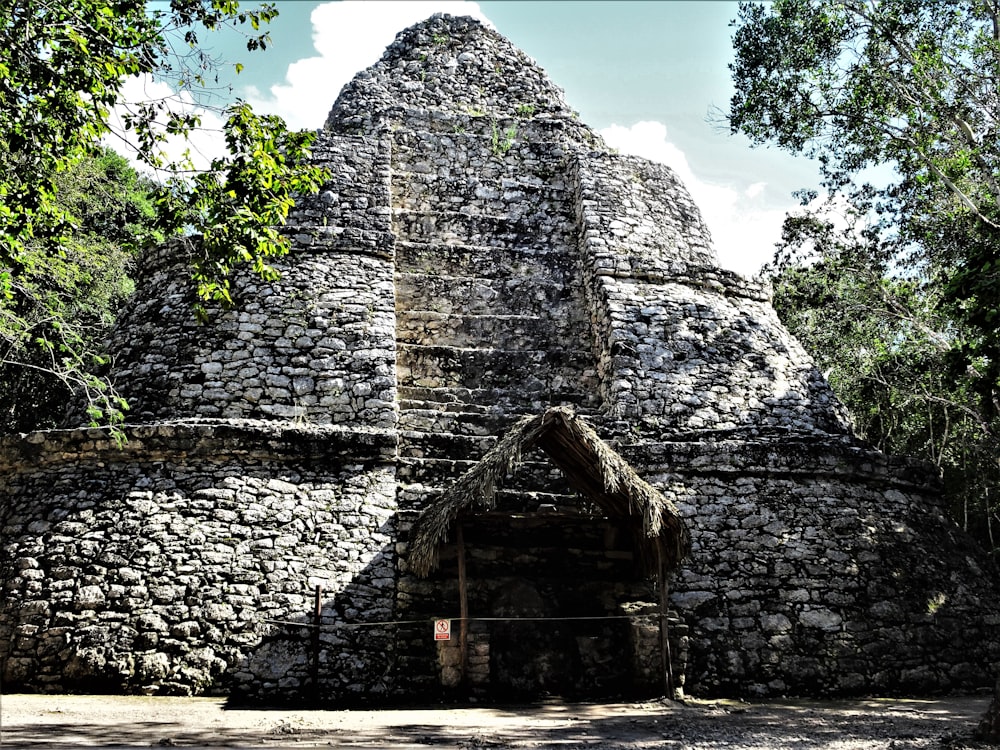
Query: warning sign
442, 630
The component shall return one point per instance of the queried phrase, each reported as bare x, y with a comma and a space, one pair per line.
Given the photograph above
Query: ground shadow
899, 724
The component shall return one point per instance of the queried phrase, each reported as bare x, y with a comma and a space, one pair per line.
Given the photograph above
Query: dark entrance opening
545, 592
555, 600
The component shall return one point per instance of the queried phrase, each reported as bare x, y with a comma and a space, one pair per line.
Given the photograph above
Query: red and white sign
442, 630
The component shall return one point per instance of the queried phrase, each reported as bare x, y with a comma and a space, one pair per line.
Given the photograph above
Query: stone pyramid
477, 256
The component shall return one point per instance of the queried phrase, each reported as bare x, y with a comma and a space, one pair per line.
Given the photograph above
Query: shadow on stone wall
537, 630
340, 652
153, 568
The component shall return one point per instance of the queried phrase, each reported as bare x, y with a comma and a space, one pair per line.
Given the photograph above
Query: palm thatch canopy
591, 467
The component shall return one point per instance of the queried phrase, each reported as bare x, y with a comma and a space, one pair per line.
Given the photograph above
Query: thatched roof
591, 467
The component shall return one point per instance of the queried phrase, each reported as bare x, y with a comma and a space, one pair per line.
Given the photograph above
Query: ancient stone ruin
502, 382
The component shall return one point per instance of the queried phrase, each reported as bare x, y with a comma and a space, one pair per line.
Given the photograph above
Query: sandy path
33, 720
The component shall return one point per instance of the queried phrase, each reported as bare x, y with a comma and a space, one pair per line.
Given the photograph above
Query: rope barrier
430, 621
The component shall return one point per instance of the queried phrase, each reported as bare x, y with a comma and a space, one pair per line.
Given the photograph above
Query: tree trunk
989, 726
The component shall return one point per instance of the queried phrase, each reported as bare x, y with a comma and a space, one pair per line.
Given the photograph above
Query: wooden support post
317, 622
463, 608
665, 660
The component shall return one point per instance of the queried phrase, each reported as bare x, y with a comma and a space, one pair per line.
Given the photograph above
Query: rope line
431, 620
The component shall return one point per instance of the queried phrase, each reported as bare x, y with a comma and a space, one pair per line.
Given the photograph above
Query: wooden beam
316, 625
668, 668
463, 607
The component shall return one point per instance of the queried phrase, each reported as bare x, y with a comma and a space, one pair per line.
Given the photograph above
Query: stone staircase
491, 321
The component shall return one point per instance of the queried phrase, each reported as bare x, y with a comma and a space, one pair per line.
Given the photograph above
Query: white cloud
205, 142
349, 36
744, 223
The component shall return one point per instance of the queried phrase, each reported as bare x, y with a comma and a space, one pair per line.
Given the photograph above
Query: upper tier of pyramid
450, 64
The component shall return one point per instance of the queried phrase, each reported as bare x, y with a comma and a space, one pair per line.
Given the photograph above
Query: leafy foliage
59, 304
903, 305
237, 204
887, 350
914, 85
63, 66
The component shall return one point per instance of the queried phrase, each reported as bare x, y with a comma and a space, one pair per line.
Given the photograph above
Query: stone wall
315, 347
825, 570
681, 343
160, 567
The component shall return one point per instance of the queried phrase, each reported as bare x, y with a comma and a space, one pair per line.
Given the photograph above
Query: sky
651, 77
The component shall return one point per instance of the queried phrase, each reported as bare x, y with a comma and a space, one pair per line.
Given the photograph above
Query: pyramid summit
501, 382
451, 65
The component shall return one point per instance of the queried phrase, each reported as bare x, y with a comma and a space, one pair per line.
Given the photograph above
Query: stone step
425, 478
417, 496
457, 227
516, 402
432, 473
447, 406
525, 373
458, 447
434, 460
427, 327
498, 184
502, 262
456, 422
544, 129
476, 194
472, 295
470, 410
485, 147
420, 173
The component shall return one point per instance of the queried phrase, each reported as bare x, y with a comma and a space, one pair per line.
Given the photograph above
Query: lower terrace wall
188, 562
824, 568
166, 567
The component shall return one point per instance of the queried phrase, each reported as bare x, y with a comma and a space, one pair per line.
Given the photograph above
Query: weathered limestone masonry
155, 568
478, 255
315, 348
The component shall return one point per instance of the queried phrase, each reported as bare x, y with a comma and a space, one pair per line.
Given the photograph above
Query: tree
886, 348
237, 204
62, 303
914, 84
62, 69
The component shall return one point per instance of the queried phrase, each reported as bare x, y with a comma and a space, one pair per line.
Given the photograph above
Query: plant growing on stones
301, 417
501, 140
525, 110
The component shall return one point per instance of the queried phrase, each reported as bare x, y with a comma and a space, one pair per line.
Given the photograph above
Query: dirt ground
105, 721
